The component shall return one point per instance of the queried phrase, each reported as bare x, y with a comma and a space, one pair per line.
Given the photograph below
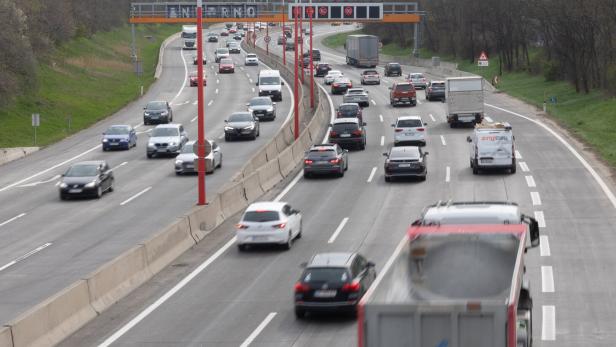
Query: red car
226, 65
194, 80
232, 31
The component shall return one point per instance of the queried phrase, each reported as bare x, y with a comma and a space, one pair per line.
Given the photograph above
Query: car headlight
146, 113
228, 128
250, 127
63, 185
91, 184
123, 140
105, 140
250, 109
151, 145
172, 143
179, 162
164, 113
271, 109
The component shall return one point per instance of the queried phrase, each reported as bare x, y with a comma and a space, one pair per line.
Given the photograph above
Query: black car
157, 112
333, 282
237, 37
87, 178
196, 61
224, 33
316, 55
321, 69
341, 85
262, 107
406, 161
348, 132
280, 40
435, 90
393, 69
241, 125
350, 110
326, 158
212, 37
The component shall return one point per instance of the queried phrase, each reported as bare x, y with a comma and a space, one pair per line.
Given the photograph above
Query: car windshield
82, 171
404, 152
348, 109
162, 132
355, 91
117, 131
188, 148
342, 80
334, 73
241, 117
251, 55
269, 81
416, 76
327, 275
344, 127
226, 61
403, 87
409, 123
222, 51
261, 216
260, 102
394, 66
233, 44
370, 72
322, 66
156, 105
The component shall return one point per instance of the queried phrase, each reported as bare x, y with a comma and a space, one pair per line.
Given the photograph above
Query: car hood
188, 157
165, 139
261, 108
239, 124
79, 180
114, 137
269, 87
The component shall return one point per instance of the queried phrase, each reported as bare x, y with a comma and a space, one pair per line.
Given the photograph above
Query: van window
269, 81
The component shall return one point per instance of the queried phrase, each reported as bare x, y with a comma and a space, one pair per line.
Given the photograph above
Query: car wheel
423, 178
341, 173
241, 248
227, 137
307, 174
110, 187
220, 162
289, 244
387, 179
149, 155
300, 313
104, 149
62, 196
475, 170
513, 169
99, 192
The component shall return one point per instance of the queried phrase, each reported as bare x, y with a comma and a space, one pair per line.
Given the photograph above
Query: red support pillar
201, 111
284, 37
301, 42
296, 84
267, 42
311, 13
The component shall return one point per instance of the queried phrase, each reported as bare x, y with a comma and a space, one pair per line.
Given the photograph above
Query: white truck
492, 146
362, 50
457, 279
189, 35
464, 97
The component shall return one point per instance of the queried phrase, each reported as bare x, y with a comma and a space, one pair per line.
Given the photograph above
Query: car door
217, 154
105, 174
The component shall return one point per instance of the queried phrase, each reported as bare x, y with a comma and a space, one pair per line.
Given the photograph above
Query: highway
228, 298
48, 244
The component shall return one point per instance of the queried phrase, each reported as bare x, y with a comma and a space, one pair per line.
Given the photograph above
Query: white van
189, 34
270, 84
492, 146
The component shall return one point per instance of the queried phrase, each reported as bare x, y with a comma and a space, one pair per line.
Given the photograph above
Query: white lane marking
216, 91
210, 103
57, 183
338, 230
250, 80
253, 89
373, 102
258, 330
217, 81
447, 174
288, 187
547, 279
540, 218
595, 175
185, 78
372, 172
548, 324
382, 140
524, 166
381, 118
194, 119
530, 181
488, 119
135, 196
242, 68
221, 136
544, 246
12, 219
49, 169
418, 101
384, 80
443, 140
518, 155
23, 257
195, 102
432, 117
119, 166
215, 73
34, 184
138, 125
536, 198
143, 314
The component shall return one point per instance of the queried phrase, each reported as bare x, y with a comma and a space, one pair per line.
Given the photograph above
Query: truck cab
189, 36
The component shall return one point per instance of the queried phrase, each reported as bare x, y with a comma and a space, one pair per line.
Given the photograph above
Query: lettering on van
493, 138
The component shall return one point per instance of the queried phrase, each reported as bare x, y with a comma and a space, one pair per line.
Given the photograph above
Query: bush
552, 71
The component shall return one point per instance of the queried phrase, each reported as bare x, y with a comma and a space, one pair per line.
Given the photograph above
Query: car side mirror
468, 139
426, 124
363, 123
273, 103
370, 264
426, 153
62, 175
226, 121
393, 125
282, 83
389, 88
104, 134
385, 154
256, 84
247, 104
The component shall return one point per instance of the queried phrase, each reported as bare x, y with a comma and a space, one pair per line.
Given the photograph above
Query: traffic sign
36, 120
267, 39
348, 11
483, 56
483, 59
310, 11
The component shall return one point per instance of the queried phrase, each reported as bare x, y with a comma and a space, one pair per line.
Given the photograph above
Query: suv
234, 48
333, 282
435, 90
321, 69
262, 107
409, 129
221, 53
393, 69
157, 112
316, 55
326, 159
402, 92
348, 132
370, 77
166, 139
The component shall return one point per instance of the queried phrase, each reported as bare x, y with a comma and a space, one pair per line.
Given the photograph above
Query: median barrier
252, 187
54, 319
232, 199
257, 160
6, 339
164, 247
286, 161
112, 281
9, 154
269, 174
203, 219
298, 151
271, 150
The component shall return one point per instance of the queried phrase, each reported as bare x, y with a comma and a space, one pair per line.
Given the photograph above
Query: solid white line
195, 102
518, 155
381, 118
143, 314
119, 166
443, 140
536, 198
288, 187
382, 140
194, 119
216, 74
372, 172
548, 324
595, 175
247, 75
185, 78
217, 81
432, 117
23, 257
216, 91
530, 181
221, 136
135, 196
12, 219
242, 68
540, 218
544, 246
253, 89
258, 330
210, 103
488, 119
34, 184
547, 279
524, 166
338, 230
373, 102
447, 174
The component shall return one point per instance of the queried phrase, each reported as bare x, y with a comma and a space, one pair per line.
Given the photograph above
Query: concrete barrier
203, 219
252, 187
258, 160
286, 162
167, 245
298, 151
232, 199
271, 150
114, 280
161, 54
54, 319
6, 338
269, 175
9, 154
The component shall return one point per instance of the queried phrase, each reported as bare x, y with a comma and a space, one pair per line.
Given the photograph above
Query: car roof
346, 120
408, 117
349, 104
338, 259
266, 205
269, 73
478, 212
169, 125
90, 162
416, 73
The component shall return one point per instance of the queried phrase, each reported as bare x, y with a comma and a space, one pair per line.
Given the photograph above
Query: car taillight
241, 226
335, 161
398, 130
336, 85
339, 114
351, 287
420, 129
356, 132
301, 287
279, 226
350, 85
429, 89
333, 134
308, 162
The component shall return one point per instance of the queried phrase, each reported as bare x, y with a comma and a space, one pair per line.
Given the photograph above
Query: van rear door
495, 148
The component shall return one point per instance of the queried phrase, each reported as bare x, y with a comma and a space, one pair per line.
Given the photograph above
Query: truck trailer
464, 100
457, 279
362, 50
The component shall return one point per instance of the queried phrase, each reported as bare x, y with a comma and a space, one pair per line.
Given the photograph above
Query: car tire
62, 196
99, 192
512, 170
149, 155
475, 170
423, 178
227, 137
300, 313
387, 179
104, 149
241, 248
307, 175
220, 162
110, 189
299, 234
178, 173
341, 173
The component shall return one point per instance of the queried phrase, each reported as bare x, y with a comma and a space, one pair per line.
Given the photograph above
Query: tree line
30, 29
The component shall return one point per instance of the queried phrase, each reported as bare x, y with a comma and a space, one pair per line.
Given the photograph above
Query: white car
409, 130
221, 53
357, 95
332, 75
269, 223
251, 59
185, 161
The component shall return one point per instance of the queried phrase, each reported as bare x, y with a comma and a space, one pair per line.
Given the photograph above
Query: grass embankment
88, 79
393, 49
590, 116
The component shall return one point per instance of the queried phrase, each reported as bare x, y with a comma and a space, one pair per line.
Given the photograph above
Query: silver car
166, 139
269, 223
418, 80
221, 53
185, 162
357, 95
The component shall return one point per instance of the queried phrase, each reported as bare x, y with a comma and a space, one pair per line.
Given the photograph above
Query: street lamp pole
311, 14
301, 42
296, 84
201, 113
284, 36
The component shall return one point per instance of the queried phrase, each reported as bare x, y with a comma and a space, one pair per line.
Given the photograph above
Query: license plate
486, 160
259, 238
324, 293
404, 165
162, 150
345, 135
189, 166
74, 191
113, 143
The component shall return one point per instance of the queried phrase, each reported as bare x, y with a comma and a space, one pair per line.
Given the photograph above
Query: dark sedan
326, 159
406, 161
157, 112
340, 85
262, 107
241, 125
119, 137
88, 178
321, 69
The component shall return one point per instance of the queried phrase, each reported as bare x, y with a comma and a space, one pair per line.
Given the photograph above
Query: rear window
261, 216
345, 127
394, 66
348, 108
226, 61
406, 153
438, 85
409, 123
321, 154
328, 275
403, 88
370, 72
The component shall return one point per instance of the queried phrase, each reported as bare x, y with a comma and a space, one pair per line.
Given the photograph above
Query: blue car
119, 137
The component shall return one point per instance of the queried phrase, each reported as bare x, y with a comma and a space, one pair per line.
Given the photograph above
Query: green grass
395, 50
338, 40
88, 79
